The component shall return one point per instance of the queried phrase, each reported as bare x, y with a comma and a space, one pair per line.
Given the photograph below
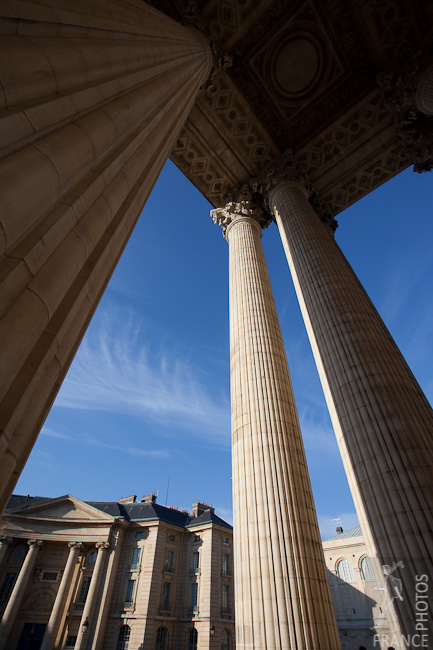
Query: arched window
366, 569
345, 571
193, 636
161, 638
92, 558
19, 555
225, 640
123, 640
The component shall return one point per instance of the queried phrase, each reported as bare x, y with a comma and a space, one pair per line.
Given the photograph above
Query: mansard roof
133, 512
347, 534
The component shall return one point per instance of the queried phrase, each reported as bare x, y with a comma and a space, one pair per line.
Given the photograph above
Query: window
194, 595
195, 562
345, 571
225, 540
19, 555
171, 538
366, 569
161, 638
91, 560
71, 641
136, 558
226, 600
196, 539
49, 576
130, 592
169, 556
192, 639
84, 589
166, 595
225, 569
225, 640
7, 586
139, 535
123, 638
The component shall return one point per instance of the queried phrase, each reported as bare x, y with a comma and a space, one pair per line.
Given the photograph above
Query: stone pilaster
4, 543
381, 418
282, 594
87, 124
86, 623
59, 604
18, 591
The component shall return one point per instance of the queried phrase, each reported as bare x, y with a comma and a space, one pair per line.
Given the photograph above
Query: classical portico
308, 106
62, 579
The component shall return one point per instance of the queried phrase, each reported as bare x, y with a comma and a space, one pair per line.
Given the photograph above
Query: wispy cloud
122, 369
134, 451
86, 439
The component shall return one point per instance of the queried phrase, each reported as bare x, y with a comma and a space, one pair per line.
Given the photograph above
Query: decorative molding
413, 126
284, 170
35, 542
366, 177
102, 546
245, 207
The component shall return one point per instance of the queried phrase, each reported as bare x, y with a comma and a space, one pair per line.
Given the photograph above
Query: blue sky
146, 404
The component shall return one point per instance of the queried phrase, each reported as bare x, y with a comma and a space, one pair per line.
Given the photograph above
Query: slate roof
135, 511
18, 500
353, 532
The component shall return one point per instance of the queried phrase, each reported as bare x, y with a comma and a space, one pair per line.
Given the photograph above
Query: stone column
4, 543
18, 591
382, 420
91, 600
110, 575
59, 604
282, 594
92, 100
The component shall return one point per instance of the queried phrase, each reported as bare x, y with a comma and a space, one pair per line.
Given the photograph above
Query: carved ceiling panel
320, 77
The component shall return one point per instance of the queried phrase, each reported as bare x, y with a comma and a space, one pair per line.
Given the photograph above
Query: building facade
359, 598
121, 575
131, 575
274, 110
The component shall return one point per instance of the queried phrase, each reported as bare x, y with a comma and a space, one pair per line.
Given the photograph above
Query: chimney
198, 508
339, 530
150, 498
130, 499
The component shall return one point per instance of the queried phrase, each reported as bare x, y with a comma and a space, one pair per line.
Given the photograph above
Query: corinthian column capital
245, 207
284, 173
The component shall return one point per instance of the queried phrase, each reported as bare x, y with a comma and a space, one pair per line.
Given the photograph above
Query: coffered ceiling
332, 80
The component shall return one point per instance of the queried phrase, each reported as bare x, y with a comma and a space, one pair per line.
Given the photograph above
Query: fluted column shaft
18, 591
110, 577
92, 100
59, 604
382, 420
90, 604
282, 593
